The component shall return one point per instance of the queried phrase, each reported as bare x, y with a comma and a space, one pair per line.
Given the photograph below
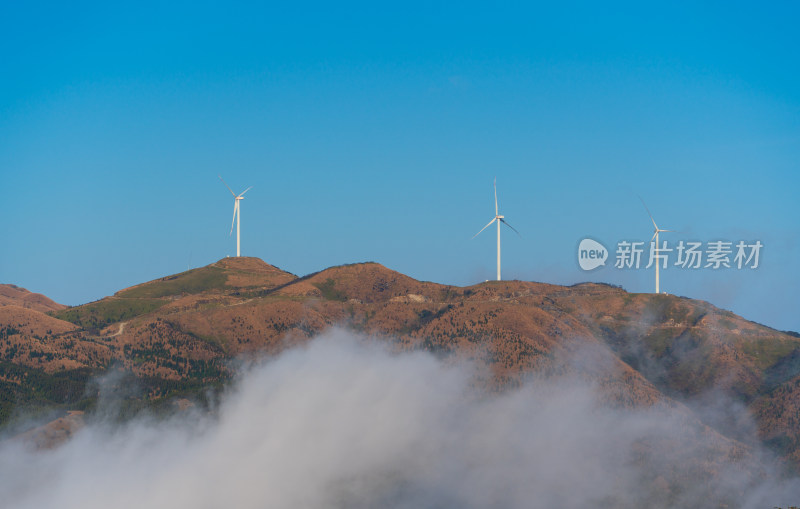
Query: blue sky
373, 132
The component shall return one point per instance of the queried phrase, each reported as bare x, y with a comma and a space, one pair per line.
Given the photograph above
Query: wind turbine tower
498, 219
237, 215
655, 236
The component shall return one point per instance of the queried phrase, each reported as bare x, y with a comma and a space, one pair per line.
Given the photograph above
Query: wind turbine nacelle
500, 217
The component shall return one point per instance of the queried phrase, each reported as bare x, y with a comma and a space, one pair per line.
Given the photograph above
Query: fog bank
344, 423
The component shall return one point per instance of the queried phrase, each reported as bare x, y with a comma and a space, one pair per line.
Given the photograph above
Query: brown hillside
248, 272
12, 295
509, 327
36, 340
641, 350
224, 276
364, 282
29, 322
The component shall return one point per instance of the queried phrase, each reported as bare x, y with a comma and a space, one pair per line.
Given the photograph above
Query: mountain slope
218, 282
178, 334
13, 295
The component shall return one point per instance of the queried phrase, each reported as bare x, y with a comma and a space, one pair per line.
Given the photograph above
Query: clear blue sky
373, 132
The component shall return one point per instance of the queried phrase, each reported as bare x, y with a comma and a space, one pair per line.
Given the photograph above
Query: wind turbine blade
495, 196
242, 194
648, 213
235, 208
505, 223
667, 230
226, 185
488, 225
654, 235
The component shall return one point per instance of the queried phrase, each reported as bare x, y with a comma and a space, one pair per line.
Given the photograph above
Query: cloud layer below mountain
343, 422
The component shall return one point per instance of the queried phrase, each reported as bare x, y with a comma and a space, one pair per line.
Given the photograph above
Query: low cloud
343, 422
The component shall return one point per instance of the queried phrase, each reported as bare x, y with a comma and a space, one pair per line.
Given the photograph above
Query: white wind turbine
499, 219
655, 236
237, 215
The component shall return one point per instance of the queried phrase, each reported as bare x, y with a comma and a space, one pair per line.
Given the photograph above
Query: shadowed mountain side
686, 346
777, 414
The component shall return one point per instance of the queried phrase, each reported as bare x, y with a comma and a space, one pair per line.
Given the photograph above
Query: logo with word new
591, 254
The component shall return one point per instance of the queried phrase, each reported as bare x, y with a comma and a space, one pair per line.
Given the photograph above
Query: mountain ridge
13, 295
178, 333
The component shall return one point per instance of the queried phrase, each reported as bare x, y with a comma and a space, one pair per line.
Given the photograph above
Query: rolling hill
175, 337
13, 295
